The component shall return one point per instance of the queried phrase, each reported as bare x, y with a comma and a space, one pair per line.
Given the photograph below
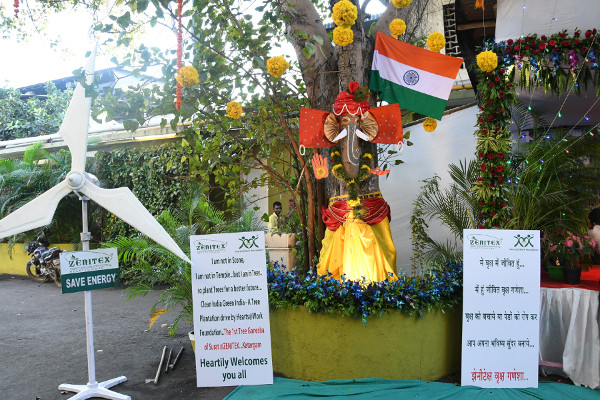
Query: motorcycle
45, 263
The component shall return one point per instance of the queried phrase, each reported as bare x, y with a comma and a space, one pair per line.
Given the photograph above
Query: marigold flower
397, 27
187, 76
436, 41
234, 109
344, 14
429, 125
277, 66
401, 3
343, 36
487, 61
353, 203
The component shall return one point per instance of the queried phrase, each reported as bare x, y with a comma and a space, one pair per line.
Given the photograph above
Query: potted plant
573, 253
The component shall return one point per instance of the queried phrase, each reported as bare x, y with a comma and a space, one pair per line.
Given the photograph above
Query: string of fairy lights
585, 115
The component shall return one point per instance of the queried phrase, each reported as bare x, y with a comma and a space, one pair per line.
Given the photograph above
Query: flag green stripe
408, 99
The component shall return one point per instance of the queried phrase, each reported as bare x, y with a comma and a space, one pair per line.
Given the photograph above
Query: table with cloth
570, 328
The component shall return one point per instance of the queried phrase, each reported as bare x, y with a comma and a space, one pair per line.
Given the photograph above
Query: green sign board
89, 270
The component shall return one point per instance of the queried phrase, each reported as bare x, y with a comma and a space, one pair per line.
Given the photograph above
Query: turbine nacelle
75, 180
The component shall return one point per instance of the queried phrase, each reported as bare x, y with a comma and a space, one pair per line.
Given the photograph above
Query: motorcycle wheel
56, 278
33, 273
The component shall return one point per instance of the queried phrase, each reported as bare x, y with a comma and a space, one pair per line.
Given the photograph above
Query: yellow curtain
359, 250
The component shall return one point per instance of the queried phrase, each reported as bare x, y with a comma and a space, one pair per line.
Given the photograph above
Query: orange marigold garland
179, 51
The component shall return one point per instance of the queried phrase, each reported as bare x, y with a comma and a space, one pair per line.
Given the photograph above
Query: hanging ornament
16, 4
320, 166
179, 51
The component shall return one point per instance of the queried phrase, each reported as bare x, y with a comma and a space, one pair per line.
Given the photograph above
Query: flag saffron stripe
417, 57
419, 80
419, 102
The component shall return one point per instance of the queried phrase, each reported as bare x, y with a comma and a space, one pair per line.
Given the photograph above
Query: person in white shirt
594, 232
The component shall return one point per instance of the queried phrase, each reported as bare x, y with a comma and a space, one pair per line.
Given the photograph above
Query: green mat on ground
396, 389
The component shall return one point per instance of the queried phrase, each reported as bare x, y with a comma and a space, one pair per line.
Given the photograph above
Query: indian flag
417, 79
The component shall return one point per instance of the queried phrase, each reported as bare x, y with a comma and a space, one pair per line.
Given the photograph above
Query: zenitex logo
480, 241
209, 246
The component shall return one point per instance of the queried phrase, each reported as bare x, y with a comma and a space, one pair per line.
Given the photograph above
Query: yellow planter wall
319, 347
16, 265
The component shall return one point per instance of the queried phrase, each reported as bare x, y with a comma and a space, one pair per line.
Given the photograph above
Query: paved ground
43, 344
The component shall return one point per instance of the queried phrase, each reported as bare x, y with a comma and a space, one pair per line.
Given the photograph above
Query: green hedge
155, 174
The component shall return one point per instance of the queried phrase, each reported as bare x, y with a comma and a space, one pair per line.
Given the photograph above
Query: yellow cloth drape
359, 250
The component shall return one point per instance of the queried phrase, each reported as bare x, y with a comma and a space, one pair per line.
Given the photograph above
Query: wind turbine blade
123, 203
36, 213
75, 125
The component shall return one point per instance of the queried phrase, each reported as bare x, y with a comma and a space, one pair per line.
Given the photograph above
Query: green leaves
124, 20
308, 50
32, 117
130, 125
497, 143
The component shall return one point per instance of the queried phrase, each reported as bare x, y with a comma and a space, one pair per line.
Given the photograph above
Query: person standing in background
274, 220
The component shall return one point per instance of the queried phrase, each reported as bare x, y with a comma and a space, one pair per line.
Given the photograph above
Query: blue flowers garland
439, 288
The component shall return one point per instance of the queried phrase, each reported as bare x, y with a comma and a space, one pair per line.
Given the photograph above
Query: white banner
501, 305
231, 310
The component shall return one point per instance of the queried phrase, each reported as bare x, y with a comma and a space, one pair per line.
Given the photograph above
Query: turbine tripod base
96, 390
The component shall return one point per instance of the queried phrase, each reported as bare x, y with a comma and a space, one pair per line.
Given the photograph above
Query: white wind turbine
121, 202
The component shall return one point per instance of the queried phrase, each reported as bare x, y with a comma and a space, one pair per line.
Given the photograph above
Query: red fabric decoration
376, 209
352, 86
311, 132
345, 103
179, 50
389, 120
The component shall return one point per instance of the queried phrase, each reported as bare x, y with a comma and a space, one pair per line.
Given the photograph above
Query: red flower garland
16, 4
496, 97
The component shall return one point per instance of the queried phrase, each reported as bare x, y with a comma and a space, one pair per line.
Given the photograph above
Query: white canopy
452, 141
522, 17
